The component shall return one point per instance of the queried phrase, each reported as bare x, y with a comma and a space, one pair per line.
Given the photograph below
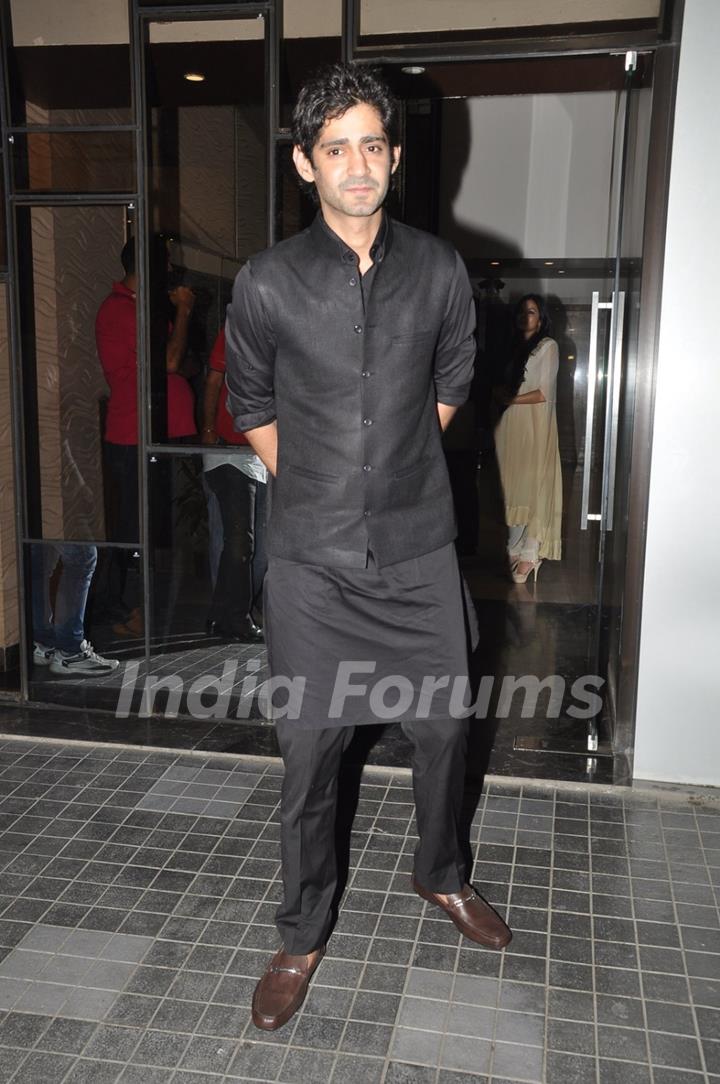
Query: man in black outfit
349, 348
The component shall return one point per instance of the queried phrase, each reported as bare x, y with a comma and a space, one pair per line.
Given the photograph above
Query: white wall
678, 713
544, 189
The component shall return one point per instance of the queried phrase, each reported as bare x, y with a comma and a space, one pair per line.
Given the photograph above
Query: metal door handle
585, 514
612, 410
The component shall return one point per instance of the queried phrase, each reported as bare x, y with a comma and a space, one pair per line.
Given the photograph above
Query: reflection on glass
79, 650
74, 262
69, 58
207, 567
294, 210
9, 622
377, 17
3, 233
74, 162
207, 194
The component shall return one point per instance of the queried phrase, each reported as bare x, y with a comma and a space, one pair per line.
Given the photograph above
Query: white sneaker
86, 662
42, 656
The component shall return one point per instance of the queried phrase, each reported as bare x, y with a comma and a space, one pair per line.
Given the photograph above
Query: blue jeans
64, 627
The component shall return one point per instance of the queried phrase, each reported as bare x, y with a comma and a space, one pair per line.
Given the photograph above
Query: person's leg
515, 540
438, 765
78, 566
307, 832
43, 559
438, 762
530, 549
122, 464
232, 597
215, 531
259, 562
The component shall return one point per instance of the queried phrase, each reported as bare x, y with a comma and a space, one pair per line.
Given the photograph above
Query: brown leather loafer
472, 915
281, 991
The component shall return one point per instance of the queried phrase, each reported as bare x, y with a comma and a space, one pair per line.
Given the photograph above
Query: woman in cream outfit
526, 444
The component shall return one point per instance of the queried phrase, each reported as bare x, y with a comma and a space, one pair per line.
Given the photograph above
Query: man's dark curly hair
331, 91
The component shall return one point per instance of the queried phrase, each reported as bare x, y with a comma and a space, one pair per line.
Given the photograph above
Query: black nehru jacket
352, 368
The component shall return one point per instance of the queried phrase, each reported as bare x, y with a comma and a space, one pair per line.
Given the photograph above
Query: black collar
329, 242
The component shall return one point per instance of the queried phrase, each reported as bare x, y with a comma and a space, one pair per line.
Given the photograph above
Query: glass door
535, 170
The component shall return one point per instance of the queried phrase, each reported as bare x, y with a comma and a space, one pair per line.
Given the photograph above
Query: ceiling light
194, 77
549, 263
413, 69
494, 263
561, 272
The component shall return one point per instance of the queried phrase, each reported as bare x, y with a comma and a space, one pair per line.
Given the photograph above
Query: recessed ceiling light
560, 272
494, 263
413, 69
549, 263
194, 77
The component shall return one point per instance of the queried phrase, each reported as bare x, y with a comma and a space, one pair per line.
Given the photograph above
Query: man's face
352, 162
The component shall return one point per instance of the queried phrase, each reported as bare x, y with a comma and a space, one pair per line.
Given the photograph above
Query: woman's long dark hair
520, 347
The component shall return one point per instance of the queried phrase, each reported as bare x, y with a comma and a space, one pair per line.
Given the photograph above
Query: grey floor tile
416, 1047
85, 1004
519, 1027
43, 1068
358, 1070
519, 1062
256, 1061
422, 1012
469, 1055
23, 1029
624, 1072
21, 964
113, 1043
569, 1069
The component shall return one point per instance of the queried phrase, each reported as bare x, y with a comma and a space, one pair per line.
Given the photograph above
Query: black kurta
363, 584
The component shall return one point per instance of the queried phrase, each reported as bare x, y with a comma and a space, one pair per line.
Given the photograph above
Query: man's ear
396, 152
303, 164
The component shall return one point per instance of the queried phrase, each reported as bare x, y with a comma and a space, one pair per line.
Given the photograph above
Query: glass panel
207, 566
295, 210
3, 231
79, 487
523, 188
9, 624
378, 18
208, 136
74, 162
68, 59
68, 590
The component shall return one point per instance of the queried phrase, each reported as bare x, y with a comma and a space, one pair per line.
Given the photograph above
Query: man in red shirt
116, 339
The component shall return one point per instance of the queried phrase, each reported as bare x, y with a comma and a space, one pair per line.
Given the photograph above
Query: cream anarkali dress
526, 444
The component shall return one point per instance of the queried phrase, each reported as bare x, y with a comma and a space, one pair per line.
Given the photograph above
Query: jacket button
352, 282
367, 421
365, 373
366, 514
357, 329
367, 467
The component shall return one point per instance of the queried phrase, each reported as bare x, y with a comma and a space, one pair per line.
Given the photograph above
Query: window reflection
73, 260
207, 189
207, 526
78, 648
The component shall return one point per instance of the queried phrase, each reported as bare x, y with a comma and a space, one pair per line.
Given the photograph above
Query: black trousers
308, 814
233, 595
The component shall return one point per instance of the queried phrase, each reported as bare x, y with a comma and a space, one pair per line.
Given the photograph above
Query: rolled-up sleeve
249, 356
455, 350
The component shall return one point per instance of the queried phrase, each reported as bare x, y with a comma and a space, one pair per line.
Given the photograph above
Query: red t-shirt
115, 336
223, 418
